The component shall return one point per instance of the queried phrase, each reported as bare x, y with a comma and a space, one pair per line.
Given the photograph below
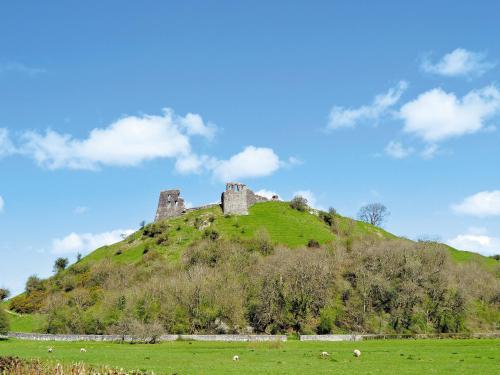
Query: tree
78, 257
373, 213
142, 224
299, 203
60, 264
4, 322
4, 293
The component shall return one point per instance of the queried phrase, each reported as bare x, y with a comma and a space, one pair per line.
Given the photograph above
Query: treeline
220, 286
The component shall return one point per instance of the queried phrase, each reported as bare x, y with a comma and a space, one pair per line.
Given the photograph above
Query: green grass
26, 322
461, 256
293, 357
285, 226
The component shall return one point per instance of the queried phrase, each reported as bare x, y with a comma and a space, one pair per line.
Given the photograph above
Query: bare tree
373, 213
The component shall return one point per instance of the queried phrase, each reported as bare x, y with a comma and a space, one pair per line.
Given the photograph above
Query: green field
293, 357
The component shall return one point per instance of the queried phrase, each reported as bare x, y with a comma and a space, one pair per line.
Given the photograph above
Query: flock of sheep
355, 352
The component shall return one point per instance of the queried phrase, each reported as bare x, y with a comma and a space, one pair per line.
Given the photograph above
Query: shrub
162, 239
211, 234
313, 244
154, 229
299, 203
4, 293
60, 264
4, 322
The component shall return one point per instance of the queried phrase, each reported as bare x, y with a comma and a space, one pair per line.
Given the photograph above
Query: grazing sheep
83, 350
325, 354
356, 353
236, 358
50, 350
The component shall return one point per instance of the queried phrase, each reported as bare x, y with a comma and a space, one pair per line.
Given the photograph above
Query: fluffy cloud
2, 203
341, 117
251, 162
6, 146
477, 241
437, 115
133, 140
482, 204
459, 62
84, 243
396, 150
126, 142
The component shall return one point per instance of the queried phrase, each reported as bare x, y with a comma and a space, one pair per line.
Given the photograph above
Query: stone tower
238, 198
169, 205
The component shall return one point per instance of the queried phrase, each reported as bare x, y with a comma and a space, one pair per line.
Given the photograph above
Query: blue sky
104, 104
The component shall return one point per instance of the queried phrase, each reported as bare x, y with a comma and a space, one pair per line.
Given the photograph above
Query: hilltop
204, 271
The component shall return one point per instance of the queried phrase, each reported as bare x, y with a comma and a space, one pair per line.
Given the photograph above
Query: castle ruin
238, 198
170, 205
234, 201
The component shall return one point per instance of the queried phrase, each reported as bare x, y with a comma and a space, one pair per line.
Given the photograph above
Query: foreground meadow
293, 357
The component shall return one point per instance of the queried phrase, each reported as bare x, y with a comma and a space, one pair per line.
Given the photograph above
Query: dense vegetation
278, 270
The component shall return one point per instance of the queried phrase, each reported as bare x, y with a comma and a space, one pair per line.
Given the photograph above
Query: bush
313, 244
299, 203
4, 322
211, 234
4, 293
154, 229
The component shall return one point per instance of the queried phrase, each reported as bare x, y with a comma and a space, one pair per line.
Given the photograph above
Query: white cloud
266, 193
396, 150
6, 146
84, 243
436, 115
80, 210
251, 162
477, 241
429, 151
195, 125
341, 117
482, 204
459, 62
126, 142
195, 163
2, 204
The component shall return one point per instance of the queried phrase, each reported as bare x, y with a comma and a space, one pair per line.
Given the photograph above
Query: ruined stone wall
235, 199
238, 198
169, 205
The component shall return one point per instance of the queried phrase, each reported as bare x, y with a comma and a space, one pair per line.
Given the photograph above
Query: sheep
356, 352
50, 350
325, 354
83, 350
236, 358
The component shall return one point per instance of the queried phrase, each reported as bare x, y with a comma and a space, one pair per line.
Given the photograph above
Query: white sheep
236, 358
325, 354
356, 352
50, 350
83, 350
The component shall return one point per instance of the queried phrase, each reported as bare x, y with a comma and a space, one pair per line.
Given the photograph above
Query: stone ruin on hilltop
234, 201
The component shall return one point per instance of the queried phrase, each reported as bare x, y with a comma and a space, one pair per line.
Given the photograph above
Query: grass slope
285, 226
293, 357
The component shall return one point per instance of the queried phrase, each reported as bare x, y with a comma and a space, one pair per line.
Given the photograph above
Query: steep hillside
284, 225
276, 270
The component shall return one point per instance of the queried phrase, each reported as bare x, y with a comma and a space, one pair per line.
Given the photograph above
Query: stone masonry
238, 198
169, 205
234, 201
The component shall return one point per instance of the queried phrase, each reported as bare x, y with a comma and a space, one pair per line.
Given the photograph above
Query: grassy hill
167, 243
284, 225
